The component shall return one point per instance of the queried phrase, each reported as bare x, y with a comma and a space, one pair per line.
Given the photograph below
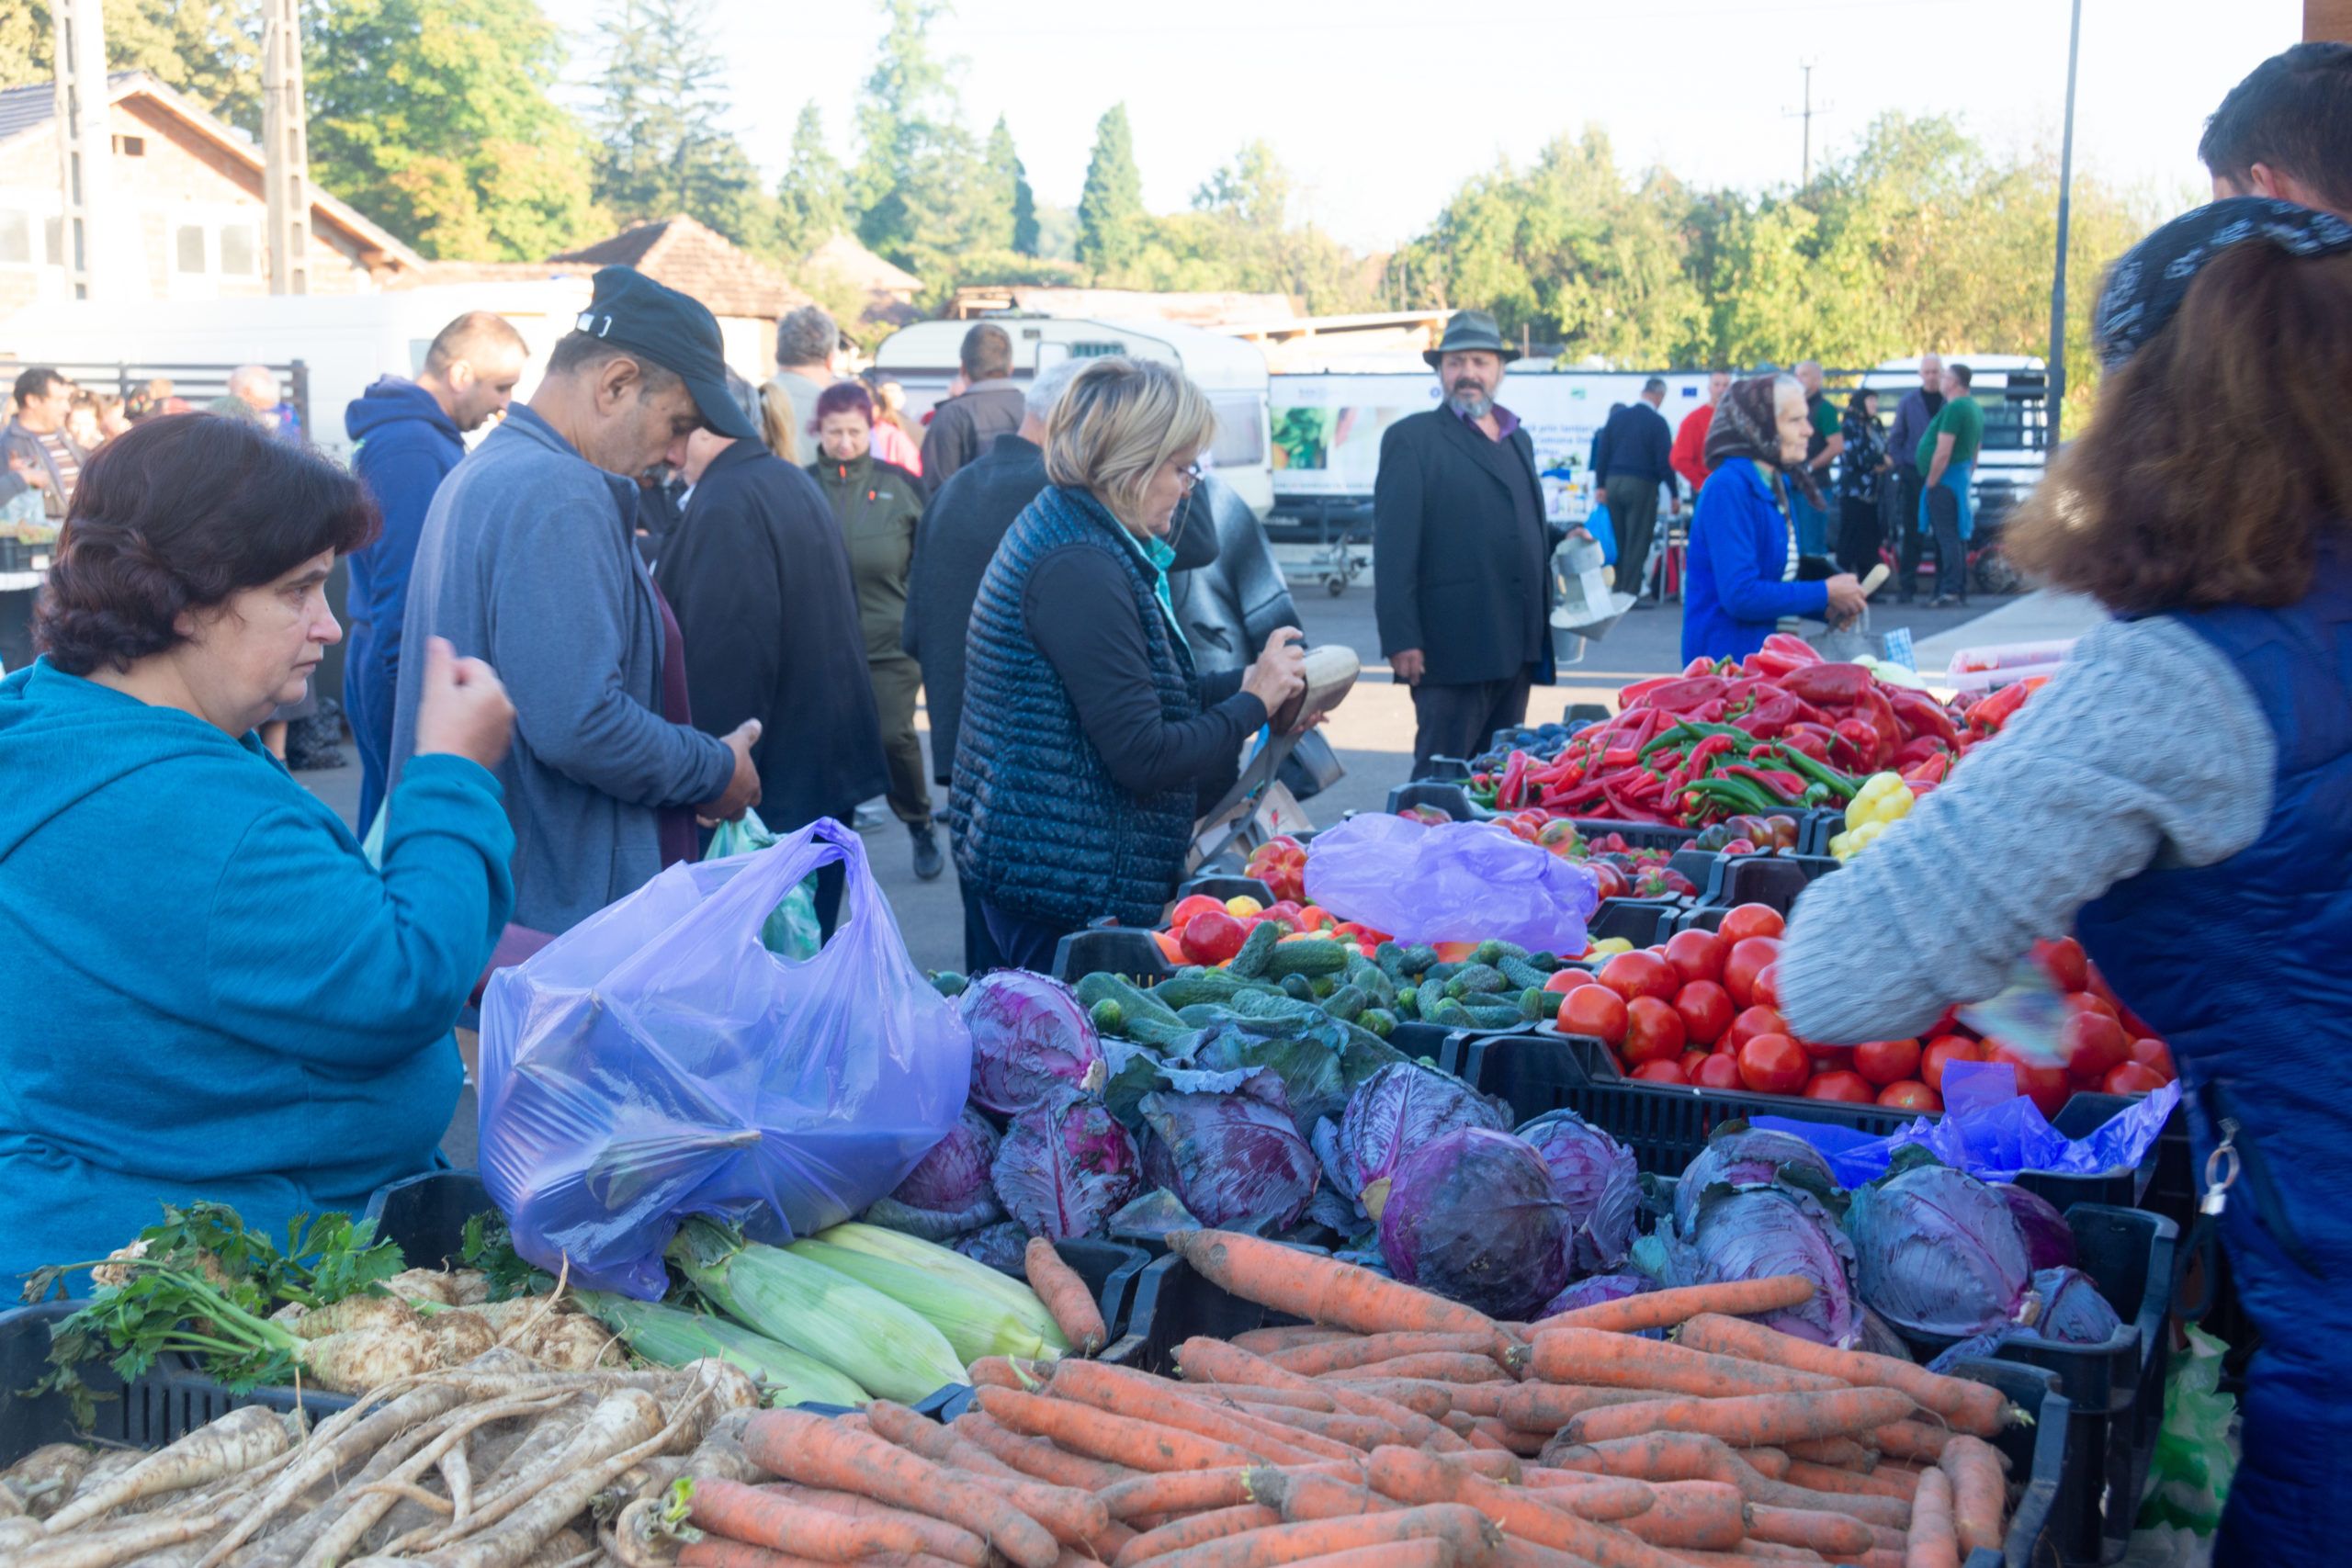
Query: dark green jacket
878, 505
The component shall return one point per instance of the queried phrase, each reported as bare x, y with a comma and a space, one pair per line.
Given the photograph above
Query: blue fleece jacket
1732, 593
402, 448
210, 993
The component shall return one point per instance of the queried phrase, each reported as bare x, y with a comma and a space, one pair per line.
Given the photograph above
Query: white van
2014, 390
925, 357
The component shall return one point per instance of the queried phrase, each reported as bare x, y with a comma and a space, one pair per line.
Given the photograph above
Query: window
1240, 440
191, 247
130, 146
1096, 350
16, 239
52, 241
237, 250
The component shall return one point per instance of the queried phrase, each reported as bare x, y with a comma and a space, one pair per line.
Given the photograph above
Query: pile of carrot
1396, 1430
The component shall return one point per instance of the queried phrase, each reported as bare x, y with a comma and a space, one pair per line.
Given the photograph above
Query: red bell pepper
1682, 697
1921, 715
1631, 696
1913, 753
1782, 653
1933, 771
1988, 716
1808, 739
1512, 791
1829, 686
1857, 745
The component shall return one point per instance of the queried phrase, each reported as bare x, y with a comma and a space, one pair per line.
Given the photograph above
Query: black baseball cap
676, 331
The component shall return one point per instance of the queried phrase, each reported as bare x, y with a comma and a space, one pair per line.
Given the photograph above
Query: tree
433, 117
813, 199
209, 49
664, 148
1109, 209
1012, 186
1254, 244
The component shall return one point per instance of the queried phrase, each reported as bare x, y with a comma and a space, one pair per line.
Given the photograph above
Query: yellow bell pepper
1883, 797
1609, 945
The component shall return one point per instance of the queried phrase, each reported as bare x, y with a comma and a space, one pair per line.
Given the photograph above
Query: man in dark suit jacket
1462, 578
1633, 457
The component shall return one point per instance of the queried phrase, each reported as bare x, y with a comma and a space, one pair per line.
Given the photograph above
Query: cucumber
1299, 987
1438, 974
1187, 987
1448, 1011
1380, 1020
1250, 962
1408, 1002
1520, 973
1313, 955
1134, 1001
1486, 1015
1538, 1003
1108, 1015
1347, 1003
1495, 949
1477, 979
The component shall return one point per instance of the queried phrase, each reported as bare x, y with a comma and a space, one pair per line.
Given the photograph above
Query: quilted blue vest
1041, 827
2245, 966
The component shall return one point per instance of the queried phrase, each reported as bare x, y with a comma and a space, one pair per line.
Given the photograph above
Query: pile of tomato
1201, 929
1703, 1010
1281, 863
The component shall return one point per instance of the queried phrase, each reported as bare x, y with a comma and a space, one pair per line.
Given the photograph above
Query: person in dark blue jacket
1741, 579
406, 435
1633, 457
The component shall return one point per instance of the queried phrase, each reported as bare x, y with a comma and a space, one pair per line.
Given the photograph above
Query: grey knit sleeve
2148, 749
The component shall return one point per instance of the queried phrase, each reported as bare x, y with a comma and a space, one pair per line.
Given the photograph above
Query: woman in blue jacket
1741, 578
210, 993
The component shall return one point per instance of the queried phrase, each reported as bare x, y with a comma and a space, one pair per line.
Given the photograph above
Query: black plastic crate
2082, 1115
1453, 799
2037, 1453
1641, 921
1774, 880
1174, 1303
1115, 950
1637, 835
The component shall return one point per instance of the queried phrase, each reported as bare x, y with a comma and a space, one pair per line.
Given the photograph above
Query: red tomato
1946, 1048
1567, 980
1850, 1087
1691, 1062
1594, 1010
2133, 1077
1766, 990
1697, 955
1719, 1070
1198, 904
1827, 1058
1948, 1024
1660, 1072
1886, 1062
2047, 1083
1747, 960
1653, 1030
2155, 1054
1747, 920
1612, 881
2085, 1001
1706, 1010
1773, 1064
1314, 918
1911, 1095
1640, 973
1751, 1023
2067, 964
1212, 937
2094, 1044
1454, 952
1282, 909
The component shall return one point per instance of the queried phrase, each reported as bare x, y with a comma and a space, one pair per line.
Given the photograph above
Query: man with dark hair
40, 455
1946, 457
1689, 455
1911, 416
1635, 456
1821, 450
406, 436
2286, 130
807, 360
528, 561
962, 427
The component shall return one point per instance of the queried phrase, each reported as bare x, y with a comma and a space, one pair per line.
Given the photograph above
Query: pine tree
1008, 190
1110, 210
813, 199
665, 149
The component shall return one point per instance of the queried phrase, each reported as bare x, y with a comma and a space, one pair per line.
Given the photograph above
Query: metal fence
198, 384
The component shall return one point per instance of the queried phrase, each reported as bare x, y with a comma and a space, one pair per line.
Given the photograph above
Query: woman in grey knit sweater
2181, 795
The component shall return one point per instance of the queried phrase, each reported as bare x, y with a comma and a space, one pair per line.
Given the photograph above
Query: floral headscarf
2145, 289
1747, 426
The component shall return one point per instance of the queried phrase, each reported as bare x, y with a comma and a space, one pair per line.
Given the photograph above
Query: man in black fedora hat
528, 559
1462, 578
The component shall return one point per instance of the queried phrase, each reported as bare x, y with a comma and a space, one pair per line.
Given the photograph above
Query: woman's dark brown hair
2217, 455
178, 514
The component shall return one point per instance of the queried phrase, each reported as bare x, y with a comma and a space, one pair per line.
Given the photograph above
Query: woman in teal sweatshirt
209, 993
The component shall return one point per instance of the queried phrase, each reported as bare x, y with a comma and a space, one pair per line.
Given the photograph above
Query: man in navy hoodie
405, 437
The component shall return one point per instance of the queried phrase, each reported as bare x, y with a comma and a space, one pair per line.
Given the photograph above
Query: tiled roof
694, 260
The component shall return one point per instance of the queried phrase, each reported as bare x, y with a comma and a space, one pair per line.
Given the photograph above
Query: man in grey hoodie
527, 560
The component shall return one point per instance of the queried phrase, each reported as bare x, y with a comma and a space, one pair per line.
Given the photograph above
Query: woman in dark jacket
1088, 736
1862, 471
878, 505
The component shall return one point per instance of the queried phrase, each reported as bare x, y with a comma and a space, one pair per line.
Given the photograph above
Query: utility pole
286, 151
2057, 371
1807, 114
84, 143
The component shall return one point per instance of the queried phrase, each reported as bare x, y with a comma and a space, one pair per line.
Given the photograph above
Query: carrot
1598, 1358
1881, 1558
1396, 1554
1429, 1396
715, 1551
1839, 1453
1649, 1456
745, 1512
1770, 1461
1833, 1535
1709, 1515
1973, 1407
1005, 1372
1440, 1365
1414, 1477
1324, 1289
1825, 1478
821, 1452
1306, 1495
1307, 1398
1066, 1297
1495, 1466
1077, 1519
1038, 1457
1747, 1555
913, 1430
1266, 1341
949, 1542
1141, 1444
1336, 1355
1974, 1467
1194, 1529
1515, 1552
1134, 1394
1903, 1478
1912, 1440
1488, 1435
1356, 1431
1179, 1492
1473, 1398
1601, 1499
1748, 1419
1934, 1542
1204, 1360
1664, 1309
1546, 1407
1464, 1530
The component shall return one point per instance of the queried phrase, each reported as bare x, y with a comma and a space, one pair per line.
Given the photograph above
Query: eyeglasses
1191, 476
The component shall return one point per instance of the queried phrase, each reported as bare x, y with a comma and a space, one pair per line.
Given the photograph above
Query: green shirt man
1963, 419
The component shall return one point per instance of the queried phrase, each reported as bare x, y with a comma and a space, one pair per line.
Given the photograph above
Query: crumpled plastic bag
1455, 882
657, 1061
2189, 1474
792, 929
1990, 1134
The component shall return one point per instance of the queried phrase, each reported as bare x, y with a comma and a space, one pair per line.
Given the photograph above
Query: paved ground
1373, 730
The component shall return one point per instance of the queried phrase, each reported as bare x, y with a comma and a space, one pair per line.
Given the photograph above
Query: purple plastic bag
1996, 1138
657, 1061
1455, 882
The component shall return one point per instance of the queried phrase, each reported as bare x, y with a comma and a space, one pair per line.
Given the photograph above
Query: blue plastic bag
1455, 882
657, 1061
1992, 1132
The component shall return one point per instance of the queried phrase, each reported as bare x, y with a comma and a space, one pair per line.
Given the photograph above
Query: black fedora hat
1470, 330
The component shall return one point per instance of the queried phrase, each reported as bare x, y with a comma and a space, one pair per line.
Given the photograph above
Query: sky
1381, 109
